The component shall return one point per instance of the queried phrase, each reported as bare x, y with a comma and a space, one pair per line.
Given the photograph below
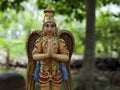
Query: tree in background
87, 74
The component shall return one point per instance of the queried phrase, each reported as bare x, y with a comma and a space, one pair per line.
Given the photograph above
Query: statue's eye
52, 25
46, 25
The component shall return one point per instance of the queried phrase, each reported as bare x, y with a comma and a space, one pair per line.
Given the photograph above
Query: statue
49, 52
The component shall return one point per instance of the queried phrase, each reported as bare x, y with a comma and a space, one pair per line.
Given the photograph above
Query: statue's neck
50, 37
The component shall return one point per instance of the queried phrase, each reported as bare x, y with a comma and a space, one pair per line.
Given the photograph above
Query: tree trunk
7, 59
87, 76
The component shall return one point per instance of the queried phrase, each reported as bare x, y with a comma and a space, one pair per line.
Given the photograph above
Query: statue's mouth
49, 32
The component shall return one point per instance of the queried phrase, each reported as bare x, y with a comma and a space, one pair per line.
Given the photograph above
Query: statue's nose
49, 28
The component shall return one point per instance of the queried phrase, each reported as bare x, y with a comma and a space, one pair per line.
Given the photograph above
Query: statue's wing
31, 63
69, 39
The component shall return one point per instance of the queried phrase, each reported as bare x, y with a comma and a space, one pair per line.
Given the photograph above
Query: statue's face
49, 28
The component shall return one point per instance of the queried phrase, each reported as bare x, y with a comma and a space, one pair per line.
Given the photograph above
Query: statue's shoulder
39, 40
61, 40
62, 43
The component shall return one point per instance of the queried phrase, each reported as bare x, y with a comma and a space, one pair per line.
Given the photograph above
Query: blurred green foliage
12, 4
19, 17
107, 33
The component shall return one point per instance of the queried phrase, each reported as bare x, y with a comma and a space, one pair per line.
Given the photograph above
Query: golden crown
49, 15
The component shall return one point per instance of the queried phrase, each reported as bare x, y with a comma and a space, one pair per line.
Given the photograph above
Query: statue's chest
54, 46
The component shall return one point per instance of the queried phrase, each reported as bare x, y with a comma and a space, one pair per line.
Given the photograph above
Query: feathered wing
31, 63
69, 39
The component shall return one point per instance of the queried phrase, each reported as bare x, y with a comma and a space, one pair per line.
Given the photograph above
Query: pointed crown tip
48, 9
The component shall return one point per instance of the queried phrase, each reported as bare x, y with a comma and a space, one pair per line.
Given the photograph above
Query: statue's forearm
61, 57
40, 56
